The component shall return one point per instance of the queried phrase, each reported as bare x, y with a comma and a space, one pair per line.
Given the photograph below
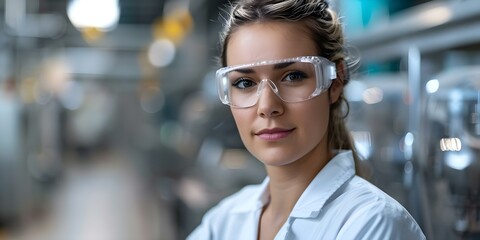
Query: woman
283, 77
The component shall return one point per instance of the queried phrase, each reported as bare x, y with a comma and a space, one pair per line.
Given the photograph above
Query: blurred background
110, 126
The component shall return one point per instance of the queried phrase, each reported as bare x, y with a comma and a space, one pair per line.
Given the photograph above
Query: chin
275, 159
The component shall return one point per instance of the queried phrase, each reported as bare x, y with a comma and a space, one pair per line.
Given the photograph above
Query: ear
337, 85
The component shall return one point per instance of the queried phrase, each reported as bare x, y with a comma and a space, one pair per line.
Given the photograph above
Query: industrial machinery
453, 120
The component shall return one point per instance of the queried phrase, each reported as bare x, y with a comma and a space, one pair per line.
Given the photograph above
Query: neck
287, 183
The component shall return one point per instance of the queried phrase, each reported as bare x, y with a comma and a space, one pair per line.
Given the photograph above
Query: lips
274, 134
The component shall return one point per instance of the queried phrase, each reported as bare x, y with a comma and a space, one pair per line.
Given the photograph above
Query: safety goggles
292, 80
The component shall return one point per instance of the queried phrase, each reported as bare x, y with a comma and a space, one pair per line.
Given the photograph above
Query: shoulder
373, 214
230, 212
243, 199
362, 197
371, 196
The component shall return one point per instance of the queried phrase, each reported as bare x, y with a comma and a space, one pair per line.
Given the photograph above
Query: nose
269, 104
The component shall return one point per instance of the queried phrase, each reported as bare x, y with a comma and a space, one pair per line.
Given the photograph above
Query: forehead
269, 41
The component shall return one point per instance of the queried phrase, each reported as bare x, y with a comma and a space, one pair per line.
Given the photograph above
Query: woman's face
275, 132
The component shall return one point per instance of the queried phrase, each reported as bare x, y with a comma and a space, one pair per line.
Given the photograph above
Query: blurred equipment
455, 108
433, 43
378, 121
10, 198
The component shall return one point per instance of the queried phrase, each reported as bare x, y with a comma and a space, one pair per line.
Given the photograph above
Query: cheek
316, 117
242, 120
322, 122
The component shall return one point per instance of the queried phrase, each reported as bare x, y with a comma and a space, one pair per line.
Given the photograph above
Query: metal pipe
15, 13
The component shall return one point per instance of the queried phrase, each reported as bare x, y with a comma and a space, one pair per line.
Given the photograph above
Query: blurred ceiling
47, 26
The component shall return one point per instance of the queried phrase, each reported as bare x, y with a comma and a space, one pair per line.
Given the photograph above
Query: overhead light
103, 15
409, 139
161, 53
432, 86
354, 91
459, 160
435, 16
450, 144
372, 95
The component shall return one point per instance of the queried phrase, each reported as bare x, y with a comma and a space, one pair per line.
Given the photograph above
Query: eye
243, 83
295, 76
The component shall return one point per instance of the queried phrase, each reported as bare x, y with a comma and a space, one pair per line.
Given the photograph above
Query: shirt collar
256, 201
338, 170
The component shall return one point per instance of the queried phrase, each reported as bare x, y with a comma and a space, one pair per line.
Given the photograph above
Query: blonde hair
326, 31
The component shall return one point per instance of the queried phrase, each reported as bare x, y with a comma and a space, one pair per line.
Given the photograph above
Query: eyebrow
282, 65
275, 67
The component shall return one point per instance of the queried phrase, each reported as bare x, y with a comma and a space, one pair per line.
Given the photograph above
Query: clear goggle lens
292, 80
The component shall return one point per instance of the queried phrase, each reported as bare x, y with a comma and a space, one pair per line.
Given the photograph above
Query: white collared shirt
337, 204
